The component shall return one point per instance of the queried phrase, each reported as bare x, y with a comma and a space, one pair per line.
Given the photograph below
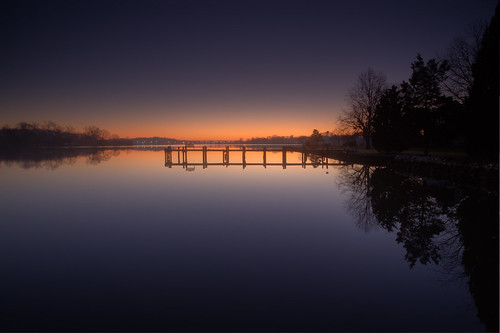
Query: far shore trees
315, 140
96, 134
50, 134
363, 97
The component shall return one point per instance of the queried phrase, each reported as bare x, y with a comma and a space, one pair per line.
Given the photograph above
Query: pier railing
317, 157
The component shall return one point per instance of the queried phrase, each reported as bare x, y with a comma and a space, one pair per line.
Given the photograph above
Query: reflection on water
53, 158
242, 156
117, 240
434, 222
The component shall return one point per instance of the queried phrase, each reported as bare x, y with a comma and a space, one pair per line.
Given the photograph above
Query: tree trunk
367, 137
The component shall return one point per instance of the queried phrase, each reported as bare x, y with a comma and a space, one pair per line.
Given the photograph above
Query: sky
211, 69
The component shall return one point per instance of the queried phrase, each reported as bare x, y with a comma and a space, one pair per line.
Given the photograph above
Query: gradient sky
210, 69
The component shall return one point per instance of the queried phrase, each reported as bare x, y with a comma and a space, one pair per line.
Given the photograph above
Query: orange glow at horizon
192, 123
224, 125
213, 132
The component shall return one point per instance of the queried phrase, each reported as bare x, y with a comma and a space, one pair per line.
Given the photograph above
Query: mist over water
116, 240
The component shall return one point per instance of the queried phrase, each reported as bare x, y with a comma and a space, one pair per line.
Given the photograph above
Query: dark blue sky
206, 69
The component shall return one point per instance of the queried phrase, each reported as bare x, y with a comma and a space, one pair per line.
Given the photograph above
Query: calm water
117, 241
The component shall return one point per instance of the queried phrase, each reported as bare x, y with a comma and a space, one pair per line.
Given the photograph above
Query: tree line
446, 103
32, 134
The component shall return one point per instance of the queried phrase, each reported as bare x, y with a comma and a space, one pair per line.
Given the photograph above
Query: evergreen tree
315, 140
391, 124
424, 94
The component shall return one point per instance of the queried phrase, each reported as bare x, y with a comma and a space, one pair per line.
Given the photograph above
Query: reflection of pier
316, 156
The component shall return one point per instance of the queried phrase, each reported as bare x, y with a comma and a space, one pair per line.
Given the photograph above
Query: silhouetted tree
26, 126
449, 124
51, 134
461, 56
96, 134
52, 126
424, 93
315, 140
391, 126
483, 134
363, 98
316, 136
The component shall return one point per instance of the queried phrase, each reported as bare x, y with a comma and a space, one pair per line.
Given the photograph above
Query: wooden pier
316, 156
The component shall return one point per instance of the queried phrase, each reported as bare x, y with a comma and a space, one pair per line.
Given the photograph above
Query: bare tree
461, 56
363, 97
51, 126
96, 133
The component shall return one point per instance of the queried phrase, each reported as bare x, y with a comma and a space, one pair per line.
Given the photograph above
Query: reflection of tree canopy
416, 211
315, 160
52, 159
99, 156
435, 223
357, 180
408, 206
49, 164
478, 226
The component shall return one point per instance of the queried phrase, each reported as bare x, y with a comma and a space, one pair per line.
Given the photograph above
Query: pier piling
317, 157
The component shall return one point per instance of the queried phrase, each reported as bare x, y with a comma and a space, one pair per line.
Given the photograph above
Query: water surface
115, 240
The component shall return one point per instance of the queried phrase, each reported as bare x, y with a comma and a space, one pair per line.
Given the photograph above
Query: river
115, 240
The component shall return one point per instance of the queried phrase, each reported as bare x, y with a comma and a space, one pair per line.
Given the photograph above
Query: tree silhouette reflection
52, 159
357, 179
99, 156
478, 224
436, 223
409, 206
315, 160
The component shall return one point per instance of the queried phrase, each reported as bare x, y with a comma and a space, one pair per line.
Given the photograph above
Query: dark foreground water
114, 240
